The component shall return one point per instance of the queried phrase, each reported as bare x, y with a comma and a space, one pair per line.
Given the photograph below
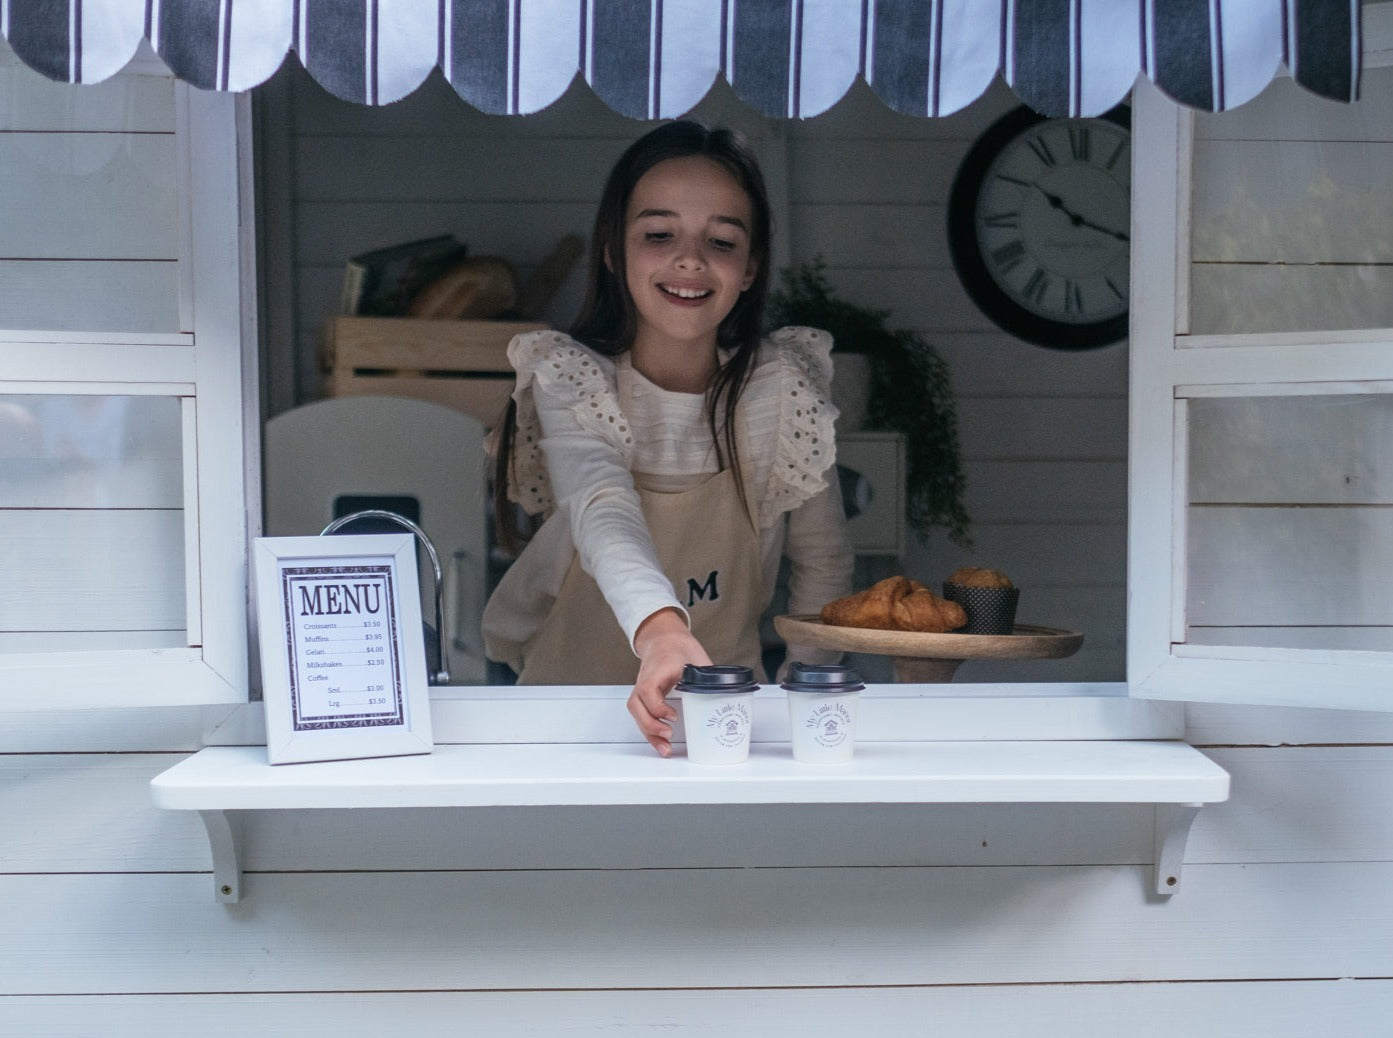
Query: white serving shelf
223, 782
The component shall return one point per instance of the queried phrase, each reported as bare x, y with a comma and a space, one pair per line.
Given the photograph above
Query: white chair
421, 460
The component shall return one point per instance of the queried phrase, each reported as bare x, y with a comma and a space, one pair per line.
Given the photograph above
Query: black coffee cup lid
821, 677
718, 677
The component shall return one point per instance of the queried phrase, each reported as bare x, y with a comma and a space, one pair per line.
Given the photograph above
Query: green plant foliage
911, 394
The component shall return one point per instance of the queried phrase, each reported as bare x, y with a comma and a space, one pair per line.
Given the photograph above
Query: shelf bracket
1172, 831
225, 839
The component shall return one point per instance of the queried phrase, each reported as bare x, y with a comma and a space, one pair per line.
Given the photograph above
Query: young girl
676, 455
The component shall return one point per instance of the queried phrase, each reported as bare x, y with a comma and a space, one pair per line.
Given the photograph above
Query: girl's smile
687, 259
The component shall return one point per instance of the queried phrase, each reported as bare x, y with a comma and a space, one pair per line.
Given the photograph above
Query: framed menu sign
343, 664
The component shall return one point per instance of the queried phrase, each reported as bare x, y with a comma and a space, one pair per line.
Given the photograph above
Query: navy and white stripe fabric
658, 58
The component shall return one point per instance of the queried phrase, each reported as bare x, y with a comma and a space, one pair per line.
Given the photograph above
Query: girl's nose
691, 254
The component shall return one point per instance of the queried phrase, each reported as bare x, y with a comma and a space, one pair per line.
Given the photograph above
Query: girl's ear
609, 264
751, 269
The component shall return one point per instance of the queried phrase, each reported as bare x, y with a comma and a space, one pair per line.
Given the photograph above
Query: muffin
987, 596
976, 576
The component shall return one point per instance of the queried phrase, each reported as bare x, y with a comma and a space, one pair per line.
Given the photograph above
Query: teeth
687, 293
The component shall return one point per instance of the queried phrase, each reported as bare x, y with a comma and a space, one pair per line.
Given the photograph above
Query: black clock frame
967, 255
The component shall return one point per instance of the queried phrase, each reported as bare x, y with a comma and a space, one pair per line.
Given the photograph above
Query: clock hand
1074, 218
1103, 230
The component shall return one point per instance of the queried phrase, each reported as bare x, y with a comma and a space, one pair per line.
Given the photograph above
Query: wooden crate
461, 364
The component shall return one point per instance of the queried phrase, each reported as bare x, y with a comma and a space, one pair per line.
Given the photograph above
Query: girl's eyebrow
672, 214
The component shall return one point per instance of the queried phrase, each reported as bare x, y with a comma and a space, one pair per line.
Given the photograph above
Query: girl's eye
722, 244
657, 236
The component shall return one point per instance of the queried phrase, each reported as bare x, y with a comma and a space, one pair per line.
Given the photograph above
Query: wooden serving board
930, 657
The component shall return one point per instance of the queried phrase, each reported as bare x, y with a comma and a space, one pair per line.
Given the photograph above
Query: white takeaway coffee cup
822, 702
717, 709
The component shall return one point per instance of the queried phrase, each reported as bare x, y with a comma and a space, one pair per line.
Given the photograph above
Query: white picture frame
343, 664
877, 459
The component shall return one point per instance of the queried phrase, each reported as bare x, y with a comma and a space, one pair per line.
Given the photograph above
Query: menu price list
343, 646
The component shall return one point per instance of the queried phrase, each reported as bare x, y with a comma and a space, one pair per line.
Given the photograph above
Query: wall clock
1039, 225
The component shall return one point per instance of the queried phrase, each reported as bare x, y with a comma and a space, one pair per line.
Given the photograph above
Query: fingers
665, 646
648, 701
654, 717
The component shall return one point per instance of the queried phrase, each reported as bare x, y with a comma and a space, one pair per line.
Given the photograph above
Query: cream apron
710, 551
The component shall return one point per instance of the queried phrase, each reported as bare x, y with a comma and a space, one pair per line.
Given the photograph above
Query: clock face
1039, 225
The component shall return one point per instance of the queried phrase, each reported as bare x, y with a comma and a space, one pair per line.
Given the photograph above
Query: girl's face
686, 251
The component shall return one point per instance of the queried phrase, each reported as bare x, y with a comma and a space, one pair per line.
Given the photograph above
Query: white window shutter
132, 595
1260, 537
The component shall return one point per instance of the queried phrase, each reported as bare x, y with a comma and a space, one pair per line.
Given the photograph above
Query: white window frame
1169, 366
206, 364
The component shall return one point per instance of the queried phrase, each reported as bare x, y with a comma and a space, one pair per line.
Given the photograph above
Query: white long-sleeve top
587, 422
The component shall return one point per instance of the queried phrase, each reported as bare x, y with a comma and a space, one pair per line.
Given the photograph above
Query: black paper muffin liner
990, 610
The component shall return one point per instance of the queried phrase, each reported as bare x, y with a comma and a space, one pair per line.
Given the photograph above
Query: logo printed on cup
729, 723
829, 723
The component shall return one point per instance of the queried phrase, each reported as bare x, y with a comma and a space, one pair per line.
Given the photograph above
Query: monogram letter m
705, 591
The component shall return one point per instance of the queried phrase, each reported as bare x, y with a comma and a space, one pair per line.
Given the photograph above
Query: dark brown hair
608, 320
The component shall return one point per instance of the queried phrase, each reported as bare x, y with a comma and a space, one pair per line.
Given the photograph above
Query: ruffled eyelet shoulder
555, 364
806, 448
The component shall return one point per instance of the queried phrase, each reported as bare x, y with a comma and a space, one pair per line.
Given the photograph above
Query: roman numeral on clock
1042, 150
1073, 297
1008, 256
1078, 142
1036, 286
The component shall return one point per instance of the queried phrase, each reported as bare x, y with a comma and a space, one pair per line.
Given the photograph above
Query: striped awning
658, 58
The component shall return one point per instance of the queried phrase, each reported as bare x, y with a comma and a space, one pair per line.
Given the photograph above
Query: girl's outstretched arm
664, 645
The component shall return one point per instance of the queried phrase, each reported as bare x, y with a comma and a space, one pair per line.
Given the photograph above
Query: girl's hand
664, 645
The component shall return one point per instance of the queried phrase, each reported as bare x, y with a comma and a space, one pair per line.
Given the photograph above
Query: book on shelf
381, 282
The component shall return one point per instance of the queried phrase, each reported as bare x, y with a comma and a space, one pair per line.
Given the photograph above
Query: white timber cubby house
1208, 501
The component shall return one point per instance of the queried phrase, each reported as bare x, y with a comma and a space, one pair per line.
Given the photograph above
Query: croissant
895, 604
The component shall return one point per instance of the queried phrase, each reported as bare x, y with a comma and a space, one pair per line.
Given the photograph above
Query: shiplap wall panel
924, 297
1368, 639
1028, 491
886, 234
336, 230
1293, 216
90, 641
1293, 202
1293, 1009
1222, 725
1326, 449
827, 170
395, 168
711, 927
1037, 428
129, 104
56, 295
152, 481
118, 189
165, 729
92, 813
1236, 298
1039, 554
139, 585
1299, 556
90, 452
992, 363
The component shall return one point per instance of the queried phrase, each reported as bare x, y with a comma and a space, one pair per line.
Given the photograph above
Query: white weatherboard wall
752, 921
